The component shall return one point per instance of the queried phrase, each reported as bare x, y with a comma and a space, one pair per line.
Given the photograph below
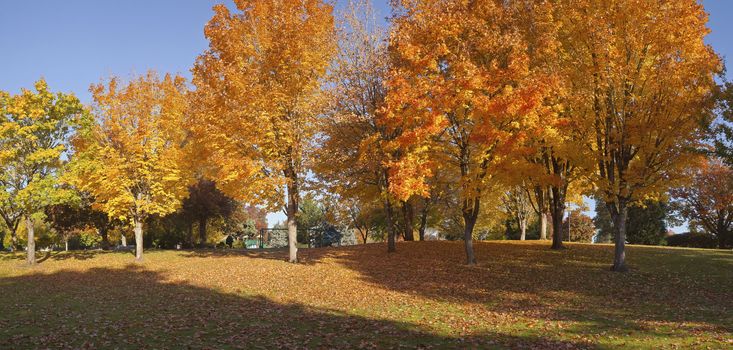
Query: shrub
692, 240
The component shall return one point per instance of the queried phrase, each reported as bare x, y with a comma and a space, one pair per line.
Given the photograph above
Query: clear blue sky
74, 43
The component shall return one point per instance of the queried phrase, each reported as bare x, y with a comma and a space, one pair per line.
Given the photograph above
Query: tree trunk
2, 240
557, 215
138, 239
470, 214
66, 244
391, 244
202, 231
721, 232
407, 214
557, 210
292, 211
619, 251
543, 226
123, 240
31, 254
523, 229
191, 238
423, 223
105, 238
14, 239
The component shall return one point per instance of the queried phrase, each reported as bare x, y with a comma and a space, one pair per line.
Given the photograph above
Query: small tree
205, 202
578, 227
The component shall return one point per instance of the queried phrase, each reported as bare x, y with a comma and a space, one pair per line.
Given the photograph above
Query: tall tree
354, 154
708, 200
35, 127
641, 81
258, 95
462, 94
131, 158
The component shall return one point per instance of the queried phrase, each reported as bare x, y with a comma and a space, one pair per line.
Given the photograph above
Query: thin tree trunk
105, 238
2, 240
123, 240
138, 239
407, 214
423, 223
66, 244
619, 251
292, 210
543, 226
191, 237
31, 254
391, 244
202, 231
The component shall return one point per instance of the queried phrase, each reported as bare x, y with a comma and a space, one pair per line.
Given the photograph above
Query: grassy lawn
521, 295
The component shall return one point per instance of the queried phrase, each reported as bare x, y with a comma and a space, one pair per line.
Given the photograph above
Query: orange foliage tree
258, 93
463, 95
708, 199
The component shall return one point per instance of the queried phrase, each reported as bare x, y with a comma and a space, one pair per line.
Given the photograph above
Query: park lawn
521, 295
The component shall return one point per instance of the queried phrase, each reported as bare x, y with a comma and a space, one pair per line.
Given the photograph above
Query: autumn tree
461, 93
35, 127
708, 199
538, 199
131, 158
578, 227
354, 154
516, 203
203, 203
258, 94
640, 81
77, 215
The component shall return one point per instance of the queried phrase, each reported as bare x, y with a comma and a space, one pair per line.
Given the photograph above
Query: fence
313, 237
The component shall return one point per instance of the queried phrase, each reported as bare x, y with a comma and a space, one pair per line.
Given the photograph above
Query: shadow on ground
136, 308
667, 294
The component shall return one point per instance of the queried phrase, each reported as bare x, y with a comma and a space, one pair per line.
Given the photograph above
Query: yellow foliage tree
640, 76
131, 158
258, 93
35, 127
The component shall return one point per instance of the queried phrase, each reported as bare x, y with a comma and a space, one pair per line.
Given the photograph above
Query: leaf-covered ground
521, 295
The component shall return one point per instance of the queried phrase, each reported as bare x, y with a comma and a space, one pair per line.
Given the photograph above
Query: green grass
521, 295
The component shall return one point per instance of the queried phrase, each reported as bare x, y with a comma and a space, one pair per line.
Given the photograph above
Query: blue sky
75, 43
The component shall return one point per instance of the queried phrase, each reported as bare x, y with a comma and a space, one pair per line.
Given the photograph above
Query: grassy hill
521, 295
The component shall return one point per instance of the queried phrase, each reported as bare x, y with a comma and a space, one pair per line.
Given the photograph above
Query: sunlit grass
521, 294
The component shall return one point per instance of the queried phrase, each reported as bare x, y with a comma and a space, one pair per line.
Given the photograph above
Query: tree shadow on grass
42, 256
137, 308
543, 285
307, 256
